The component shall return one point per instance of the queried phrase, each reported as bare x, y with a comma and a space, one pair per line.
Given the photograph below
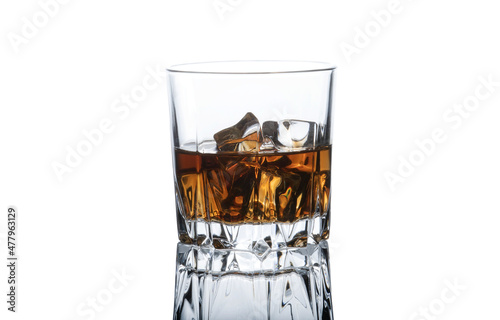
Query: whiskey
253, 188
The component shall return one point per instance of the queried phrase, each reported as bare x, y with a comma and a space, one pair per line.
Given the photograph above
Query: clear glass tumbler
252, 153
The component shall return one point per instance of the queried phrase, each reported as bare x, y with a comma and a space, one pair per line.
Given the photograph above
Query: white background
392, 250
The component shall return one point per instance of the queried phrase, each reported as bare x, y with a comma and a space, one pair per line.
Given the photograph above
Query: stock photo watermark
95, 304
223, 7
437, 306
372, 28
12, 258
33, 24
121, 107
453, 118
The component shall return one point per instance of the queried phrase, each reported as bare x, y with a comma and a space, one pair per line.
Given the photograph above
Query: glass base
255, 237
290, 283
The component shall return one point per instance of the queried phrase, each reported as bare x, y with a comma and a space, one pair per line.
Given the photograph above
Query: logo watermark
372, 28
31, 26
437, 306
222, 7
454, 117
97, 303
94, 137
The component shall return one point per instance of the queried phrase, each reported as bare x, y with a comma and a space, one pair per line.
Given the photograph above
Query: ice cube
268, 145
246, 135
290, 133
270, 130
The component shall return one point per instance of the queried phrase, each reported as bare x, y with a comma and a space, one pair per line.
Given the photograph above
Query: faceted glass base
255, 237
282, 284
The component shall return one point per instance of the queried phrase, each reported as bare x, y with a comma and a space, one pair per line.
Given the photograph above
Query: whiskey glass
252, 151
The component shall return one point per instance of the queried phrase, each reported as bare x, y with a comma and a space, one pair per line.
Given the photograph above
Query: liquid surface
239, 188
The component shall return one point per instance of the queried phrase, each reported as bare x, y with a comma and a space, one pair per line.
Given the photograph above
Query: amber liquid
239, 188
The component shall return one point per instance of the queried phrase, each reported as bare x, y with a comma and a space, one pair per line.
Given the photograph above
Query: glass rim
251, 67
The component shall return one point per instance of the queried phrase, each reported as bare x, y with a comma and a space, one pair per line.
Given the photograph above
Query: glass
252, 153
220, 284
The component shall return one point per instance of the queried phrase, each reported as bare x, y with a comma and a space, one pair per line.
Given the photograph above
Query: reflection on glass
220, 284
